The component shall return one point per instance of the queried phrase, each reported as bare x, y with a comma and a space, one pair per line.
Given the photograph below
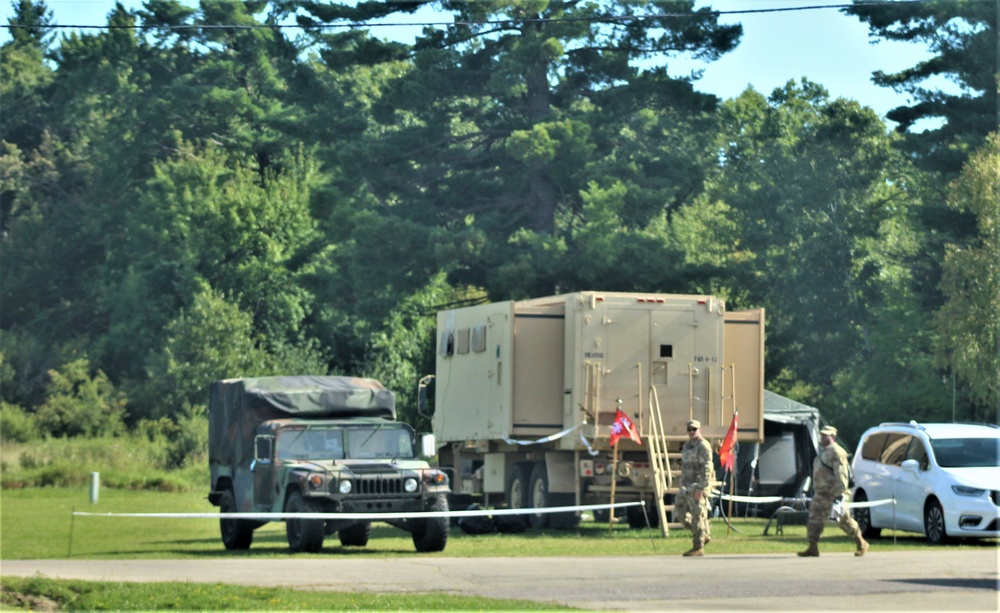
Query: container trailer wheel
517, 486
542, 498
538, 495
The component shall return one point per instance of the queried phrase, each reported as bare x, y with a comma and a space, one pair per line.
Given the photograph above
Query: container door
673, 358
626, 333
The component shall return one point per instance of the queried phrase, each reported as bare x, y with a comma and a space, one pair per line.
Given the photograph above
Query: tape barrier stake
72, 520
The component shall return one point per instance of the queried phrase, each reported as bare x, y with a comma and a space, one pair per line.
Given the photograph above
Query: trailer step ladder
659, 460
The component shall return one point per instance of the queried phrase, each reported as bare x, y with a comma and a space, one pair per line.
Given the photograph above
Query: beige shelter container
527, 392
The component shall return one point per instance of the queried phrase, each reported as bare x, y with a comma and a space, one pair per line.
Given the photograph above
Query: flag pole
732, 491
614, 479
729, 448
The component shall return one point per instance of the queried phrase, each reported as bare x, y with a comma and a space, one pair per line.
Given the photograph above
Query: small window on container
462, 341
447, 346
666, 351
479, 338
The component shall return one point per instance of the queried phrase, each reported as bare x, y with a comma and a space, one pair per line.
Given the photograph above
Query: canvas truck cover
238, 406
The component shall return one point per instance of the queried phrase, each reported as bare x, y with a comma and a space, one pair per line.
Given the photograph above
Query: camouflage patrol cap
828, 431
694, 423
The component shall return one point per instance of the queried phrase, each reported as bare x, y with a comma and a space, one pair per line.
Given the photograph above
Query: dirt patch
17, 600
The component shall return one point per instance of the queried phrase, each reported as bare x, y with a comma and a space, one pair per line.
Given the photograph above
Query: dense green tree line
183, 202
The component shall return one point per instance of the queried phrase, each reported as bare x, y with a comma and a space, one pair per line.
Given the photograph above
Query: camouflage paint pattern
830, 478
697, 472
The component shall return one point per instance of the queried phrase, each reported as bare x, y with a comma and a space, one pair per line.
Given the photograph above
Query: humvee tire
236, 533
431, 533
303, 534
356, 535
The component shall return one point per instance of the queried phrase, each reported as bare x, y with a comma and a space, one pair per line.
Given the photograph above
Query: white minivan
944, 479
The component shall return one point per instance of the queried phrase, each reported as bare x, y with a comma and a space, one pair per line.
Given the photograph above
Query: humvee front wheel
236, 533
303, 534
356, 535
431, 533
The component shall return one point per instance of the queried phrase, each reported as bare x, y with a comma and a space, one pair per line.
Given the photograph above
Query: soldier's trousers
693, 515
819, 512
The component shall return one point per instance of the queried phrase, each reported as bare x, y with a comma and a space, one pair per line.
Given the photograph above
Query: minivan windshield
965, 452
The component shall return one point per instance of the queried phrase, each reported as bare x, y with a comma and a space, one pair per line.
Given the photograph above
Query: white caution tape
760, 499
547, 439
769, 499
870, 503
555, 437
371, 516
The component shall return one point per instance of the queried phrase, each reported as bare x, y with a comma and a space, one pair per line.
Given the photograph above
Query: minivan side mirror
428, 446
912, 466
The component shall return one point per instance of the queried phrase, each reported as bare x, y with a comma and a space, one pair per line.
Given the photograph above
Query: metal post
95, 485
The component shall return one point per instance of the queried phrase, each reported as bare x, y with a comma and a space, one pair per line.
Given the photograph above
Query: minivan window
874, 444
895, 449
965, 452
918, 452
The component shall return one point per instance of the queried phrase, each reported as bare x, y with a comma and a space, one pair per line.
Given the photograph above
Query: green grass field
39, 524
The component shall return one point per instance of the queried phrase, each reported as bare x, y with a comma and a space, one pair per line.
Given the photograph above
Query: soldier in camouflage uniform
830, 484
692, 501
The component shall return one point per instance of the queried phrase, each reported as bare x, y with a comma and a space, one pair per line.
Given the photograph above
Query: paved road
945, 580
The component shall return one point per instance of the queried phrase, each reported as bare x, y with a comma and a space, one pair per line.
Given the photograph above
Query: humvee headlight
410, 485
345, 486
435, 477
315, 482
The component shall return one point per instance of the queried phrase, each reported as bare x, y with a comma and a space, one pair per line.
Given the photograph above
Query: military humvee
308, 444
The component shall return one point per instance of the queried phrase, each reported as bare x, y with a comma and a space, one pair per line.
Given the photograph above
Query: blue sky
822, 45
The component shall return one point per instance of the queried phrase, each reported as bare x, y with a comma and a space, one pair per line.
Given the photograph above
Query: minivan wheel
863, 516
934, 523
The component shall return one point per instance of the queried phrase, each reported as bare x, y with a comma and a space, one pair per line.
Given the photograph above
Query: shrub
16, 424
80, 405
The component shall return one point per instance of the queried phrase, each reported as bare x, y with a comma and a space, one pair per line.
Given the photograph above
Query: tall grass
133, 461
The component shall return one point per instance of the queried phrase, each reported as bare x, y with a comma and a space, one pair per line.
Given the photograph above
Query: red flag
727, 453
623, 426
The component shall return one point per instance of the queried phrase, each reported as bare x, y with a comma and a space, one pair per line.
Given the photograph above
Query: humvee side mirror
428, 446
263, 449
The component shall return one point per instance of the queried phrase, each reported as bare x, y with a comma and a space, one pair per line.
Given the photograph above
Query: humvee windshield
376, 441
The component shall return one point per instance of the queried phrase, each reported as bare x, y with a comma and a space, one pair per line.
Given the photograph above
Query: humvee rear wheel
356, 535
431, 533
303, 534
236, 533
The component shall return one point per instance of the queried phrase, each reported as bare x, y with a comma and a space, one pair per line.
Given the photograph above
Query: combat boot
695, 552
862, 546
811, 552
